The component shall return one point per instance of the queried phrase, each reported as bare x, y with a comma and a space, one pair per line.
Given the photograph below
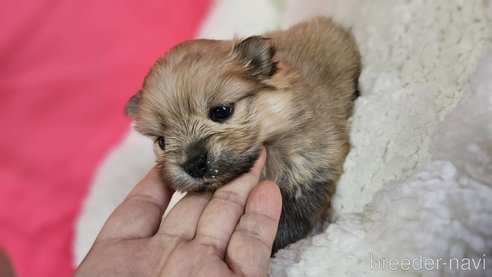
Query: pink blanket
66, 70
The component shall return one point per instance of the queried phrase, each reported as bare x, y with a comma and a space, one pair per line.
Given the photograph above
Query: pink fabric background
66, 71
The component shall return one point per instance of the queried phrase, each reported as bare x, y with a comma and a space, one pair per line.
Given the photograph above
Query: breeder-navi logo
421, 263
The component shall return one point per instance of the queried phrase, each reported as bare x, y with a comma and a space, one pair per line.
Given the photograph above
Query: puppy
210, 105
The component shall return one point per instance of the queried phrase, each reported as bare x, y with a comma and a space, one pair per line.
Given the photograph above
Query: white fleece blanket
416, 195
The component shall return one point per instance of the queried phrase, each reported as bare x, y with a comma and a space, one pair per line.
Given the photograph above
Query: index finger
220, 216
140, 214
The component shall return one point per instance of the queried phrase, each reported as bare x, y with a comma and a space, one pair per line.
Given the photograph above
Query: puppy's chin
223, 170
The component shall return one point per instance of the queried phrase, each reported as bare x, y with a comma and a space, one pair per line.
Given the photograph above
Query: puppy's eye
221, 113
161, 142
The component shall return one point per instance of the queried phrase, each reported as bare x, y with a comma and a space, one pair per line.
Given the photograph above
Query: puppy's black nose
196, 165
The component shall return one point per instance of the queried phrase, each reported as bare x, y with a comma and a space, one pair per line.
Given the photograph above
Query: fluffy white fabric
414, 186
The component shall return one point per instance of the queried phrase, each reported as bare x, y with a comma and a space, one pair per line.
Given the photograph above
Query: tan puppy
210, 105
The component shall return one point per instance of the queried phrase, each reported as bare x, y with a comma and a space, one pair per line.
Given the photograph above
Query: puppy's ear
258, 54
131, 108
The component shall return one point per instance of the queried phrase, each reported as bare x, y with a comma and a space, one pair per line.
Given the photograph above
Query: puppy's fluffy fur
291, 91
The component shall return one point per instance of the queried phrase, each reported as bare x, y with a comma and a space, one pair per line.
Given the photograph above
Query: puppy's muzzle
196, 165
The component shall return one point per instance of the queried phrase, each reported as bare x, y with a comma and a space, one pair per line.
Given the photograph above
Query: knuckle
253, 237
174, 234
144, 198
211, 244
229, 196
258, 228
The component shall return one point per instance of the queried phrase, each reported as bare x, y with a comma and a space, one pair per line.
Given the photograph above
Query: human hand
6, 268
230, 232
